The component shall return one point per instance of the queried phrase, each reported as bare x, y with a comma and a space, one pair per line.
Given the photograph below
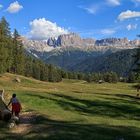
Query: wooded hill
14, 59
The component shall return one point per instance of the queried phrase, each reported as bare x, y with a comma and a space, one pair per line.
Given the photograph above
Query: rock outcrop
5, 113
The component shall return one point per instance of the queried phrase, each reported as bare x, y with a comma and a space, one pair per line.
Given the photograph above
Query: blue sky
40, 19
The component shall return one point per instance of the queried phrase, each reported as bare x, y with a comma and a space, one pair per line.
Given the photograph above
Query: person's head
14, 95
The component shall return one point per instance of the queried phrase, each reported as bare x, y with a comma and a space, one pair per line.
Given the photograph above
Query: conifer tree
136, 68
3, 58
36, 69
28, 66
43, 72
18, 54
5, 45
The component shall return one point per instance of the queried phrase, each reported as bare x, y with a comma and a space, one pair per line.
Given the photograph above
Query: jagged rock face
112, 41
135, 42
69, 40
75, 41
51, 42
40, 46
117, 42
89, 42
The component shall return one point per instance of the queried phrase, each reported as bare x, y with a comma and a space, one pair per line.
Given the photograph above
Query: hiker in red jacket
16, 106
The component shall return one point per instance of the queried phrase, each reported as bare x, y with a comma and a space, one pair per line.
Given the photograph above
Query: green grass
76, 110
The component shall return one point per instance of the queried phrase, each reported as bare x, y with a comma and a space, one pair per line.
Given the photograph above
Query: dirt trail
25, 125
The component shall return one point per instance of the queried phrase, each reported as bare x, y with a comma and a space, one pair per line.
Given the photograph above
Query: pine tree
54, 74
114, 77
43, 72
28, 66
80, 76
18, 54
137, 69
36, 69
64, 74
136, 65
131, 78
89, 78
5, 44
3, 58
4, 29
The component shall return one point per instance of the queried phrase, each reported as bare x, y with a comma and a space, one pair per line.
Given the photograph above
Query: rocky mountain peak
73, 40
69, 40
51, 41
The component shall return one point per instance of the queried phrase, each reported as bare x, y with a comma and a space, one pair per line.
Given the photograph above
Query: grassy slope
76, 110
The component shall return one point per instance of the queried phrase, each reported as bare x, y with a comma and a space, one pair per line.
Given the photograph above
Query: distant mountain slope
84, 61
69, 58
71, 52
120, 62
65, 58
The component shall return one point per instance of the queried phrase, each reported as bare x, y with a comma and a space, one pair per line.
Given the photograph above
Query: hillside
121, 62
67, 58
73, 110
77, 60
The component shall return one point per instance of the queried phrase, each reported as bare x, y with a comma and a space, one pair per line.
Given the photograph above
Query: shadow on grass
128, 96
96, 107
122, 99
4, 132
47, 129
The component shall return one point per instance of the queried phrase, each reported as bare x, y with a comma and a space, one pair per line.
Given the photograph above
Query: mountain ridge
75, 41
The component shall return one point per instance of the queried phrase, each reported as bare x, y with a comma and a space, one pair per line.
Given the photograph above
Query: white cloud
42, 29
108, 31
91, 9
128, 14
131, 27
114, 2
1, 6
98, 6
14, 7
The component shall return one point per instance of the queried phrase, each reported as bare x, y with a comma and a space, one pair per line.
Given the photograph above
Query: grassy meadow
75, 110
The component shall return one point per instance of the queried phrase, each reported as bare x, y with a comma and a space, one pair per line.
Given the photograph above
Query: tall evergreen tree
18, 54
36, 69
136, 65
54, 74
137, 69
28, 66
3, 58
131, 78
44, 72
5, 45
4, 29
